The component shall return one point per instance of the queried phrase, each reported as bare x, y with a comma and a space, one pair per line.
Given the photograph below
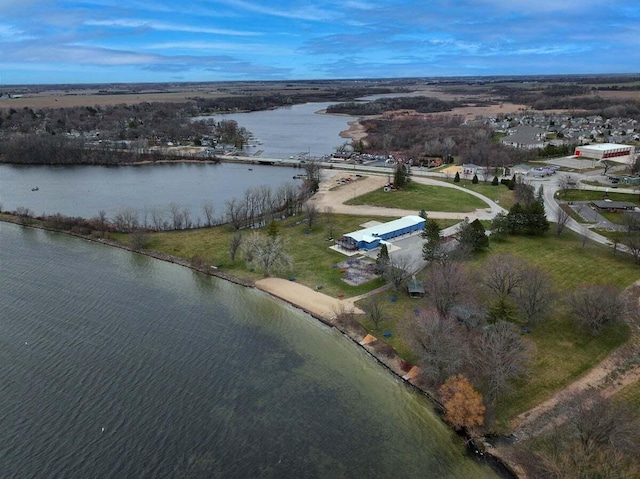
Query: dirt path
618, 370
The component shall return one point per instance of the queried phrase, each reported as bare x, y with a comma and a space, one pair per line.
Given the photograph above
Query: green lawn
568, 263
312, 259
500, 193
591, 195
561, 352
422, 197
631, 394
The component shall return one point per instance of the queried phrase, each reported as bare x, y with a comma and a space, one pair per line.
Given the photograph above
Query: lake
85, 190
288, 131
118, 365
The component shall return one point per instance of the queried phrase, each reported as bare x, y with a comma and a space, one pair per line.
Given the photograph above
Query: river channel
116, 365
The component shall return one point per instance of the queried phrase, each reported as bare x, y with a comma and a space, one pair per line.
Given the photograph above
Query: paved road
550, 188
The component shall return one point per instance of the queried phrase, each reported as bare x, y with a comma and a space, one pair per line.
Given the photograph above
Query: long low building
606, 151
372, 237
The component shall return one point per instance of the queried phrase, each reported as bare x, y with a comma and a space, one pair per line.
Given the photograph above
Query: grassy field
590, 195
630, 394
500, 193
422, 197
312, 259
561, 352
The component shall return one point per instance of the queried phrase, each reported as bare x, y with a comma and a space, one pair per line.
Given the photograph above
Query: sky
105, 41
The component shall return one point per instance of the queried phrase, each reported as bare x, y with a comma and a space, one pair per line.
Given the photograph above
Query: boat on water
35, 188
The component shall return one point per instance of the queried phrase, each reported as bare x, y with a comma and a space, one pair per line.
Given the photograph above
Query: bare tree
186, 217
502, 274
565, 183
157, 219
207, 207
398, 269
176, 215
599, 439
138, 239
311, 212
235, 212
329, 220
500, 354
595, 305
534, 295
234, 245
373, 306
631, 238
632, 241
562, 220
126, 220
584, 235
312, 170
447, 283
268, 252
440, 344
25, 215
102, 219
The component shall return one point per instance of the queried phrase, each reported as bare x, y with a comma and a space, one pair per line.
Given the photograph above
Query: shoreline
370, 344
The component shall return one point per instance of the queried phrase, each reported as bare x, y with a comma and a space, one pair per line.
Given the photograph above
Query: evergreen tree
432, 248
537, 223
495, 181
273, 229
456, 179
517, 219
383, 259
474, 180
540, 194
401, 176
472, 236
499, 226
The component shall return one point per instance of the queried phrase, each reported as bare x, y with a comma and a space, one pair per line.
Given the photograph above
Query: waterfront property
374, 236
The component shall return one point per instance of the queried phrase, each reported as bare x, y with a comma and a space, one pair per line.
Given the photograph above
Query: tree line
421, 104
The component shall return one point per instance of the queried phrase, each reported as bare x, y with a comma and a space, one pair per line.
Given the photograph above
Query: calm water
292, 130
114, 365
85, 190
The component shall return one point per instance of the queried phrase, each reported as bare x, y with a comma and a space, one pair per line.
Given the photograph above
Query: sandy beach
319, 305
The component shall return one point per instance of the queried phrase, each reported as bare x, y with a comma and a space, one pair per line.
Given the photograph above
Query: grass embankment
422, 197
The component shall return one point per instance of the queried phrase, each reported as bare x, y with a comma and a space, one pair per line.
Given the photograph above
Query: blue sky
92, 41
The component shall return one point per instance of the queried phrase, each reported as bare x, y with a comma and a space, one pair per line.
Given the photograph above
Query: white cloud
9, 33
309, 12
161, 26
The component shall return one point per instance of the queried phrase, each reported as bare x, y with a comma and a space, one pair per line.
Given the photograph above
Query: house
374, 236
526, 137
614, 206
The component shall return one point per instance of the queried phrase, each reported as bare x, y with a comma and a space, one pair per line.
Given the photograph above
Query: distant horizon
106, 41
372, 79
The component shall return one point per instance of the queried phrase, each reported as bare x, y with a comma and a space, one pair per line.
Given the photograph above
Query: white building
607, 151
